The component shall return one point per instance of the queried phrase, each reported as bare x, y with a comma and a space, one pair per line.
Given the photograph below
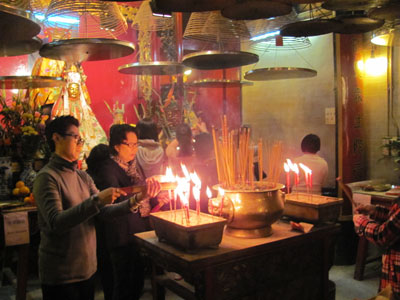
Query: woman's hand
364, 209
163, 198
109, 195
153, 187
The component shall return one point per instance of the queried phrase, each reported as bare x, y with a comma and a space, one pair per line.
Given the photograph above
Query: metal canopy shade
152, 68
217, 83
25, 82
212, 60
16, 24
302, 1
310, 28
358, 24
191, 5
352, 5
279, 73
388, 12
79, 50
20, 47
253, 9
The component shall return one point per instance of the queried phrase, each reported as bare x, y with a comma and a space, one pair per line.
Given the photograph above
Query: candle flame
185, 171
286, 167
296, 168
169, 176
195, 179
305, 168
290, 164
221, 191
208, 192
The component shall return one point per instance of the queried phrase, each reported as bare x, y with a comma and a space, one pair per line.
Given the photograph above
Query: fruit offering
21, 189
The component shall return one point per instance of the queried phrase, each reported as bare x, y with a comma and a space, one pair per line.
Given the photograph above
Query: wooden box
312, 208
201, 231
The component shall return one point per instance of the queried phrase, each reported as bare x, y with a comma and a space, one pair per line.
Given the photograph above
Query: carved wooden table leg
22, 271
157, 289
361, 258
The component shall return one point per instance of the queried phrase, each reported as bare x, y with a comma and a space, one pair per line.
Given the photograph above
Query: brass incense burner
251, 212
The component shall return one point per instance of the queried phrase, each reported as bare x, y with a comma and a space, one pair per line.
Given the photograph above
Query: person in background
150, 155
310, 145
104, 267
68, 202
182, 146
381, 226
181, 150
119, 169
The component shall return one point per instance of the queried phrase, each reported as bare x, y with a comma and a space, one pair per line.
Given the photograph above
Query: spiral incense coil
88, 19
213, 27
145, 20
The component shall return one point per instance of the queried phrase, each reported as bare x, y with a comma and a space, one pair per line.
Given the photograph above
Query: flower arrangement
21, 129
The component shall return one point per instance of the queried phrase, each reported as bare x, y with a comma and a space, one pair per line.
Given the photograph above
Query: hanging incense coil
145, 20
213, 27
87, 19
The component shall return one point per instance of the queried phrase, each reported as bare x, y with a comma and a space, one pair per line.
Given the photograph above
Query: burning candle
196, 190
287, 170
296, 171
208, 192
307, 176
222, 193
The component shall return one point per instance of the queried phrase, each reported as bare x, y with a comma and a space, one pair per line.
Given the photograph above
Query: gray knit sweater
66, 210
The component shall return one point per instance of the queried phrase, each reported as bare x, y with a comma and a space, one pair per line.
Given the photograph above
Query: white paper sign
16, 228
362, 198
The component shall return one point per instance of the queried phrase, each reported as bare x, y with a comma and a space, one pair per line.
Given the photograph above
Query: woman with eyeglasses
121, 170
68, 203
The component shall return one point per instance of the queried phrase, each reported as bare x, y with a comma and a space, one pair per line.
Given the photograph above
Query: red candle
287, 170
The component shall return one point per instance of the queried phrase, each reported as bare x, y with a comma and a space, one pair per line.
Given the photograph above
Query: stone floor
346, 287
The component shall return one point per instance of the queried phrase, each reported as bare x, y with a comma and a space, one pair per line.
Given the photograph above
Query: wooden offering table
286, 265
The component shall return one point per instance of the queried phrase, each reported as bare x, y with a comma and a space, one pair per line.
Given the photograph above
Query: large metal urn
251, 212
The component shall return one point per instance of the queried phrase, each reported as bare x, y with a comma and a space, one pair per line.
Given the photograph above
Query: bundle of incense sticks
234, 153
165, 186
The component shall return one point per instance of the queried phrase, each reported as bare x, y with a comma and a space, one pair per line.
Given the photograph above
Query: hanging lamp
315, 21
254, 9
16, 24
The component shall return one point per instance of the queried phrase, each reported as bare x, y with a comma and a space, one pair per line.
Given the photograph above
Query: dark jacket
118, 231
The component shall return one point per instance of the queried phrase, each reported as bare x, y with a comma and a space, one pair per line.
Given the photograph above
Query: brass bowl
252, 212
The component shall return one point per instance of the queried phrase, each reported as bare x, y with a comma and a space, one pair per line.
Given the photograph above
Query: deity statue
75, 102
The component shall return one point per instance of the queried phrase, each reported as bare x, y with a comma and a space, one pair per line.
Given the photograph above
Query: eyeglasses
130, 145
79, 141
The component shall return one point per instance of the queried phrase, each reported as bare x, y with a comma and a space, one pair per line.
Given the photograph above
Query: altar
286, 265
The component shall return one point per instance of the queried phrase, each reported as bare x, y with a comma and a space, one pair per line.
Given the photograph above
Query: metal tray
312, 208
204, 231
